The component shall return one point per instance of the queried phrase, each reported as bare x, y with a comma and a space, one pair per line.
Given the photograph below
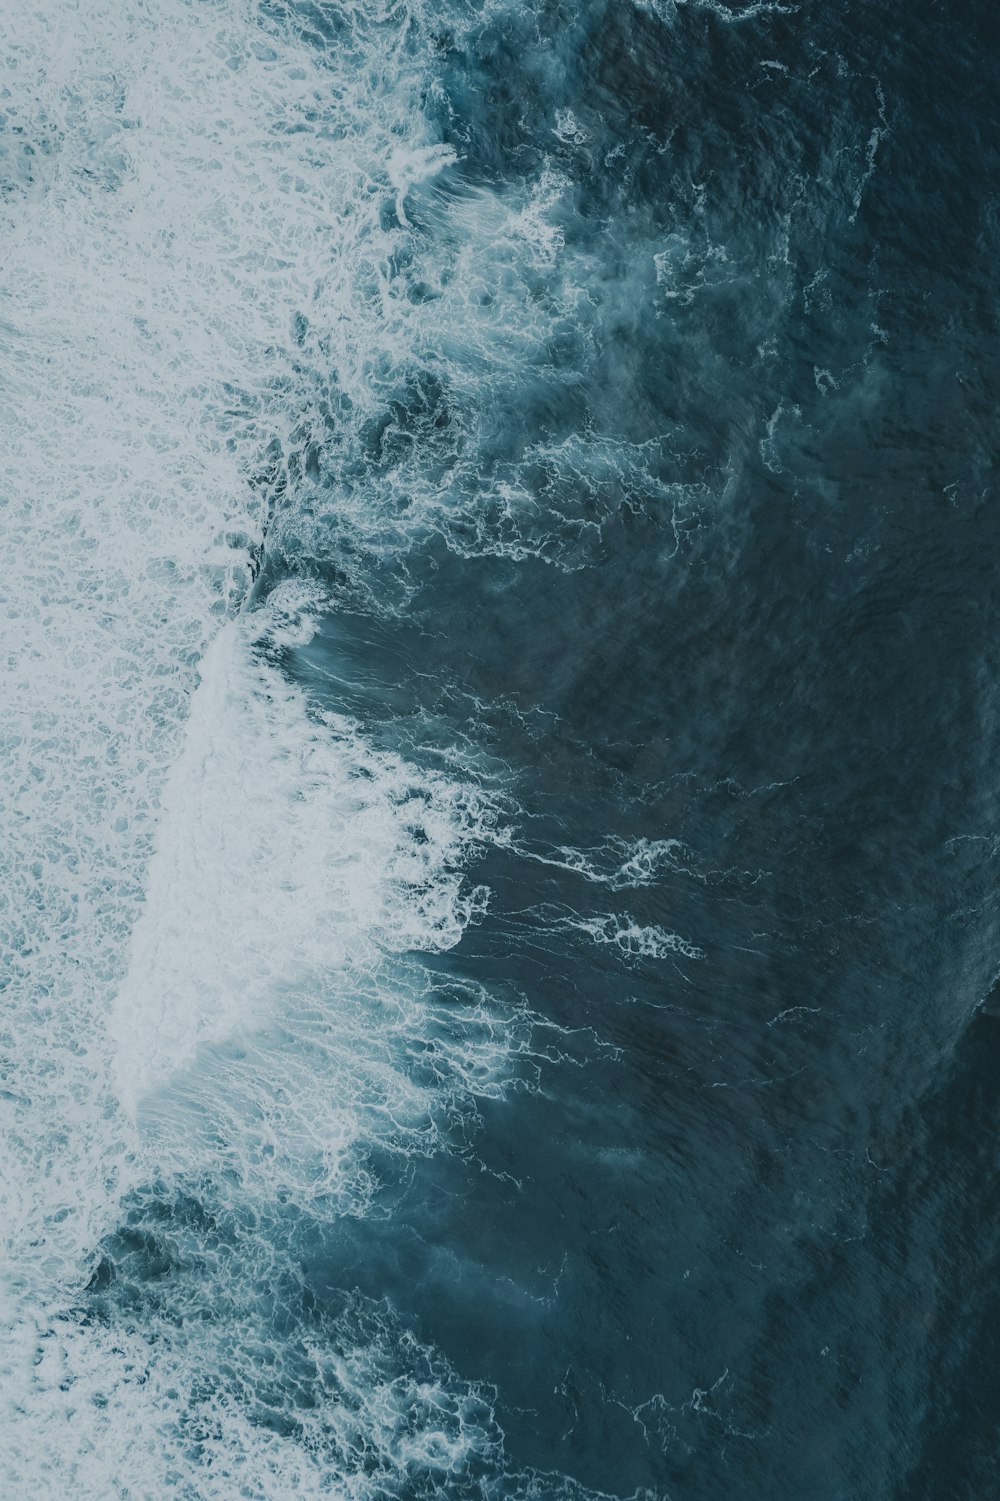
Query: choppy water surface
500, 737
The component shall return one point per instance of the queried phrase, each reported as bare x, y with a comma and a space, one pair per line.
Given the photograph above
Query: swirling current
500, 734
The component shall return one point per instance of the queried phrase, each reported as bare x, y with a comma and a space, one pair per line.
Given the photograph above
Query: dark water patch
724, 1247
674, 543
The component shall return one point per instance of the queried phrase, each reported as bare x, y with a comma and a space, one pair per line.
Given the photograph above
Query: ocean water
500, 728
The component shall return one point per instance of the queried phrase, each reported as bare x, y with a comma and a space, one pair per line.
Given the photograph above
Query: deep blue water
665, 537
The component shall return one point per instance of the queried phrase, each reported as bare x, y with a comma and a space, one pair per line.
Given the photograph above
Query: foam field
214, 893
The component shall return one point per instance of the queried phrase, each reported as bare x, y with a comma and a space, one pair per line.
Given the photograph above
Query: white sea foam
240, 270
151, 1414
634, 939
203, 875
178, 184
287, 848
619, 864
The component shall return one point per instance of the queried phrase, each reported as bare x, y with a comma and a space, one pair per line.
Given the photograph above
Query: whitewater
214, 891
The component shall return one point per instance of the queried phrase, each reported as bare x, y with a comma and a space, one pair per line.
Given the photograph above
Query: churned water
500, 729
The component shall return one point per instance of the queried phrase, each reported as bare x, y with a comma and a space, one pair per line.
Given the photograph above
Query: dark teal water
752, 1245
672, 532
752, 1248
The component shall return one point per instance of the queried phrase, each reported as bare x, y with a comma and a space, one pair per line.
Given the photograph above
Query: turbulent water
500, 730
